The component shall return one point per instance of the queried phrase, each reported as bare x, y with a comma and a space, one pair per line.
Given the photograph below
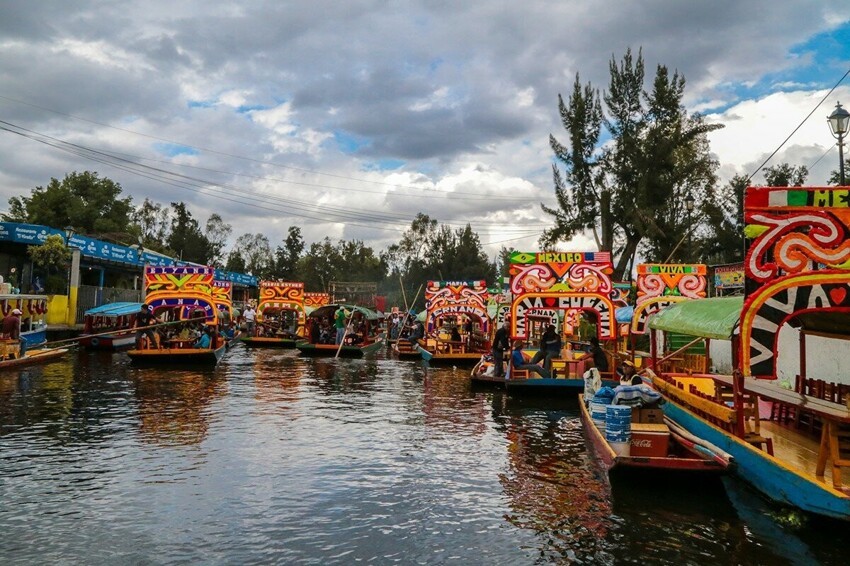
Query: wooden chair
835, 444
752, 428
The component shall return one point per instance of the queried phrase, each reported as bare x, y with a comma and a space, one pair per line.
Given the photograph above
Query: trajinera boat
546, 283
457, 325
652, 443
182, 297
110, 326
33, 332
280, 315
782, 435
34, 309
362, 334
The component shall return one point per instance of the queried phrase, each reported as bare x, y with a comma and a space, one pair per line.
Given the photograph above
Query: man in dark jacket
501, 344
550, 347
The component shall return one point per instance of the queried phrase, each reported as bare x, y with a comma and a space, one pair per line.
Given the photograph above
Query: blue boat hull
34, 337
766, 473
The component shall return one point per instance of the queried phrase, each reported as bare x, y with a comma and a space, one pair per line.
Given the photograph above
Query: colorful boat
281, 315
796, 277
182, 296
362, 336
34, 309
543, 284
110, 326
459, 305
658, 446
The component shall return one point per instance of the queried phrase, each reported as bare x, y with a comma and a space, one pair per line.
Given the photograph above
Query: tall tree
216, 232
186, 238
631, 191
785, 175
153, 221
724, 217
85, 201
287, 256
255, 255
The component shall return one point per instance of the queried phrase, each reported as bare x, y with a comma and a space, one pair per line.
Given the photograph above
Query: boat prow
34, 357
177, 356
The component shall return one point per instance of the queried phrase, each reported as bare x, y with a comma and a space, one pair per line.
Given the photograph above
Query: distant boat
357, 342
119, 318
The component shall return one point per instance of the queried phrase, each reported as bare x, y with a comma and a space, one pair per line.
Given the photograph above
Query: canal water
275, 458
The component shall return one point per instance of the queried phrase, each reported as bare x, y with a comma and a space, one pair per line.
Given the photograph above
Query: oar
113, 332
407, 315
345, 332
403, 294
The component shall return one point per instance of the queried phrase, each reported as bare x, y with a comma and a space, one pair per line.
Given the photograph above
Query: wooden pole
82, 337
406, 316
345, 332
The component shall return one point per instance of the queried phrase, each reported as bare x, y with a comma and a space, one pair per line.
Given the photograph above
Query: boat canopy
329, 310
705, 318
115, 309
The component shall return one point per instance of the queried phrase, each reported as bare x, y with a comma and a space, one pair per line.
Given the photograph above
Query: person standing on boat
12, 329
550, 347
339, 324
145, 319
501, 343
250, 316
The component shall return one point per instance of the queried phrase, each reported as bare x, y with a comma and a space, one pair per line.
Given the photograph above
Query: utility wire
800, 125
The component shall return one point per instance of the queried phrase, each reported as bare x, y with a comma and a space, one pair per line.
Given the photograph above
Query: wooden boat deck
798, 450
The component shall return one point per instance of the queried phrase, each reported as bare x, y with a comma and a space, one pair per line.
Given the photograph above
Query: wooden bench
835, 444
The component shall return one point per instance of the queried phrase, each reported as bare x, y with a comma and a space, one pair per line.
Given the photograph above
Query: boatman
144, 319
501, 344
339, 324
250, 315
12, 329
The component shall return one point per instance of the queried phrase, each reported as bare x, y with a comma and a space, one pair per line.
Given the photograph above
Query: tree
52, 257
318, 267
216, 232
724, 217
785, 175
287, 256
630, 191
254, 255
186, 239
153, 221
82, 200
834, 176
407, 257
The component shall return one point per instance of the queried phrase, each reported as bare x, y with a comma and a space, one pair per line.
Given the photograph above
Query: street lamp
839, 122
69, 233
689, 206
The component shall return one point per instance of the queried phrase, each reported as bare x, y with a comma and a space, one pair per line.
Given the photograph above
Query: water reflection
553, 489
272, 457
173, 406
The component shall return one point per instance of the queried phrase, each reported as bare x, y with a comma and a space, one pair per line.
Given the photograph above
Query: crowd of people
157, 333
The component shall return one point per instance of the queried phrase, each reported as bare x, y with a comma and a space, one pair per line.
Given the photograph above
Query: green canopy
705, 318
329, 310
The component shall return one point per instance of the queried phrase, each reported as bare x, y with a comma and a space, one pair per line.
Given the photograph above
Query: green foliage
253, 254
346, 261
216, 232
835, 175
287, 256
631, 192
50, 258
186, 238
83, 200
785, 175
724, 220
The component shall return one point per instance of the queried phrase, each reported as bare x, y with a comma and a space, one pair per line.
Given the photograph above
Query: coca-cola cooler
649, 439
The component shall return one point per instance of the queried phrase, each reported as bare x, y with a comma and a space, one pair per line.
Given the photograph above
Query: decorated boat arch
450, 303
562, 281
222, 292
185, 290
797, 269
661, 285
313, 300
281, 315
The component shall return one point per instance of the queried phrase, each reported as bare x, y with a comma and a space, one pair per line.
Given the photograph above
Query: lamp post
839, 122
689, 206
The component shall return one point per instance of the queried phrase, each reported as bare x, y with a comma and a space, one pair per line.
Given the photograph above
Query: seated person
455, 334
627, 372
204, 342
518, 362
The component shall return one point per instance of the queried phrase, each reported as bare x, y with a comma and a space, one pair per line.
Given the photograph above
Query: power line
800, 125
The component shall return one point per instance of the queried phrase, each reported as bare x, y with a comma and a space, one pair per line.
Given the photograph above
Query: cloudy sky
347, 118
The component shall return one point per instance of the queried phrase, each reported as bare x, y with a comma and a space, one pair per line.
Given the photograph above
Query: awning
704, 318
329, 311
115, 309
